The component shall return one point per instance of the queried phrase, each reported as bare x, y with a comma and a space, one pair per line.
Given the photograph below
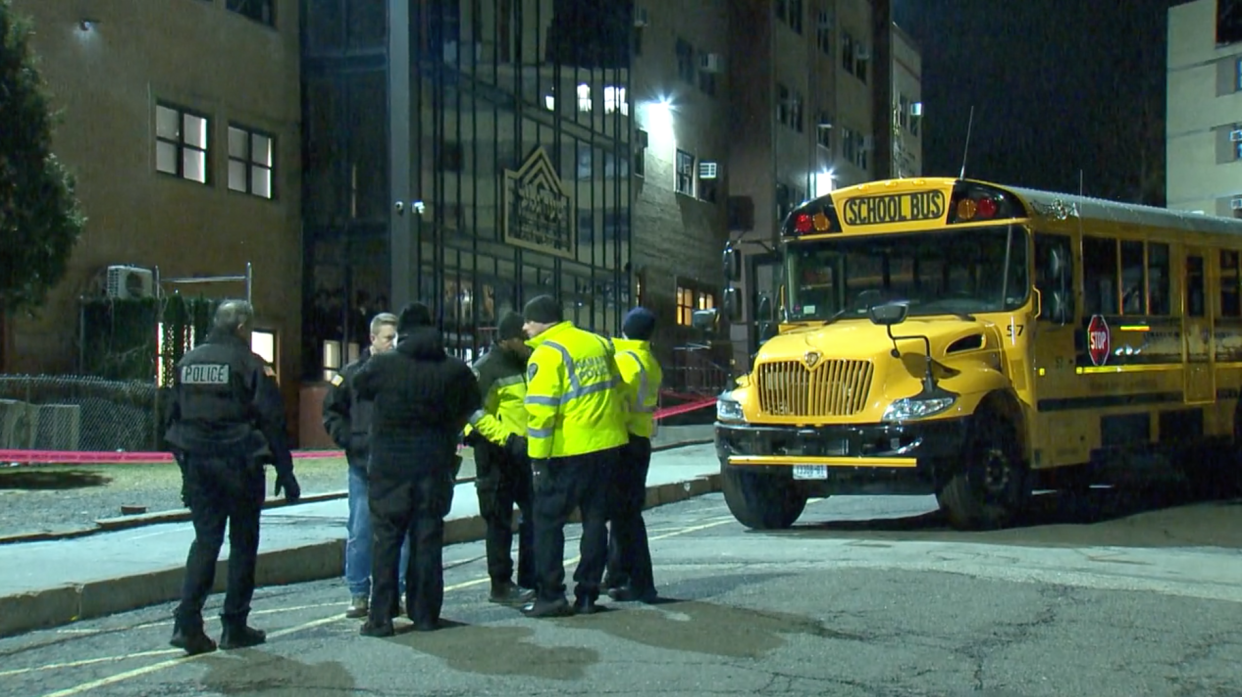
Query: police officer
422, 399
227, 420
575, 431
502, 471
629, 558
348, 420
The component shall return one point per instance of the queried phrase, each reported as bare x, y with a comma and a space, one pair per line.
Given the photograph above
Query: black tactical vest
212, 385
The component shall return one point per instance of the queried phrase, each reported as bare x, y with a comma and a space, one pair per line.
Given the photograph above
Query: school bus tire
992, 485
761, 501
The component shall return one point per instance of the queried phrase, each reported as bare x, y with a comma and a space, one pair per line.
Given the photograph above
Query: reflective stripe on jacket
502, 386
643, 377
573, 406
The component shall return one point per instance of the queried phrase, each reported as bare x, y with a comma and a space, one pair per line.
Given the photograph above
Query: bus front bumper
907, 458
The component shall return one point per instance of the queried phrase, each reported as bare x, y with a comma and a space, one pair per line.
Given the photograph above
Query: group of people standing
558, 417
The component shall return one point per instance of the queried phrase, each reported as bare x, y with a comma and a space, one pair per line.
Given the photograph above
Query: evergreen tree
40, 220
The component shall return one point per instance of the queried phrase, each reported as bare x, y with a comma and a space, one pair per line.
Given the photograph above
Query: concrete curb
182, 515
314, 562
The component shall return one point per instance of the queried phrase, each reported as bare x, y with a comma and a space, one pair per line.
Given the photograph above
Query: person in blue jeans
348, 421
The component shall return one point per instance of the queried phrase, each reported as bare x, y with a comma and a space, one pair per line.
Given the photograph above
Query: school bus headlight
729, 409
915, 408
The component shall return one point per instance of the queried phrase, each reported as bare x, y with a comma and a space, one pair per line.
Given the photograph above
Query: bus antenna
965, 150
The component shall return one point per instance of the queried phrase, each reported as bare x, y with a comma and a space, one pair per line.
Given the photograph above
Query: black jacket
225, 399
421, 394
346, 418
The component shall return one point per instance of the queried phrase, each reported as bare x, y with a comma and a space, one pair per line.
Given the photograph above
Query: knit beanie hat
543, 309
639, 324
412, 316
510, 327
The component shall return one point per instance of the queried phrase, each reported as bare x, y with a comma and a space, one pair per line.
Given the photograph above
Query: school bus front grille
830, 388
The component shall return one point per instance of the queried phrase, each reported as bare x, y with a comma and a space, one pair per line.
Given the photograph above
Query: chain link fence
76, 413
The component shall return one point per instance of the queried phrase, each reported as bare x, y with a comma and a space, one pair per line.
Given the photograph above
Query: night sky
1058, 86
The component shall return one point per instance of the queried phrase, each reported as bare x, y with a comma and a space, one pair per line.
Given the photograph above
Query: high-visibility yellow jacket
642, 376
502, 386
573, 404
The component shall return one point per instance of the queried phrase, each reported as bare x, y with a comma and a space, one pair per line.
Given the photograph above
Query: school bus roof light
803, 223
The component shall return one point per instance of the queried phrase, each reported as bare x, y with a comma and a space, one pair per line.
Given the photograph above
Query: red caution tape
61, 457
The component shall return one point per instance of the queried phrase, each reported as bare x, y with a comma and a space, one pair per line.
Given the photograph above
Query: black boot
237, 635
505, 593
191, 639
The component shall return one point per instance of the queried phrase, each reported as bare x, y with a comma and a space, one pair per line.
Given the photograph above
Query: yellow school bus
978, 342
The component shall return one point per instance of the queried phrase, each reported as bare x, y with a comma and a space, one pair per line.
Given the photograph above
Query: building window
261, 11
847, 52
251, 160
614, 100
181, 143
690, 299
823, 129
823, 33
685, 61
685, 173
584, 97
707, 79
790, 12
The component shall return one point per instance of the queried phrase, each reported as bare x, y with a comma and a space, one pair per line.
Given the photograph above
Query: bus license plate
810, 472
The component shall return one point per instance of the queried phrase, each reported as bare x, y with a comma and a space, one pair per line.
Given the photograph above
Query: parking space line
181, 660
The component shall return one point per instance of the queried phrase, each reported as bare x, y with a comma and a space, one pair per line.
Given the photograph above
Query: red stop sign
1099, 340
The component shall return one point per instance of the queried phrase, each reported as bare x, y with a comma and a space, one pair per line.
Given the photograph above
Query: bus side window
1099, 270
1230, 301
1195, 282
1158, 278
1056, 292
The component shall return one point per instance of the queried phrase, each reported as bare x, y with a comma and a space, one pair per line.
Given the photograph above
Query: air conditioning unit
708, 170
130, 282
1235, 136
711, 62
824, 124
862, 53
1236, 203
640, 17
916, 109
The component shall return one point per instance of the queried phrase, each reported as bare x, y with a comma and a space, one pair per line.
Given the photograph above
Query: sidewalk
56, 582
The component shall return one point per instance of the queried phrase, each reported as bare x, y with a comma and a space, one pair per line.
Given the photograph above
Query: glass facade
518, 161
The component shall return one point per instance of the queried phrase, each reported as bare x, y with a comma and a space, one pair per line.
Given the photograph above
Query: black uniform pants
409, 504
221, 490
502, 481
629, 557
580, 481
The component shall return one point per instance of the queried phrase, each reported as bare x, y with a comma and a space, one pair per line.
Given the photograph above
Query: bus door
1197, 334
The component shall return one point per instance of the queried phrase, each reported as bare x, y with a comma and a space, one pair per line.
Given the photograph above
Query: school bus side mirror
732, 262
888, 314
704, 320
732, 304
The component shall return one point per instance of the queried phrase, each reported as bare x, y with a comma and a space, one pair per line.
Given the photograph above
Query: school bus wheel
761, 500
991, 485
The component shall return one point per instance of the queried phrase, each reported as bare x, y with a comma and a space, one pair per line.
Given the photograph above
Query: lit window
584, 97
331, 359
614, 100
181, 143
264, 344
251, 159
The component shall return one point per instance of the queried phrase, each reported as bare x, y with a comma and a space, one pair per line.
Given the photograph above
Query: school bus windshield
938, 272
